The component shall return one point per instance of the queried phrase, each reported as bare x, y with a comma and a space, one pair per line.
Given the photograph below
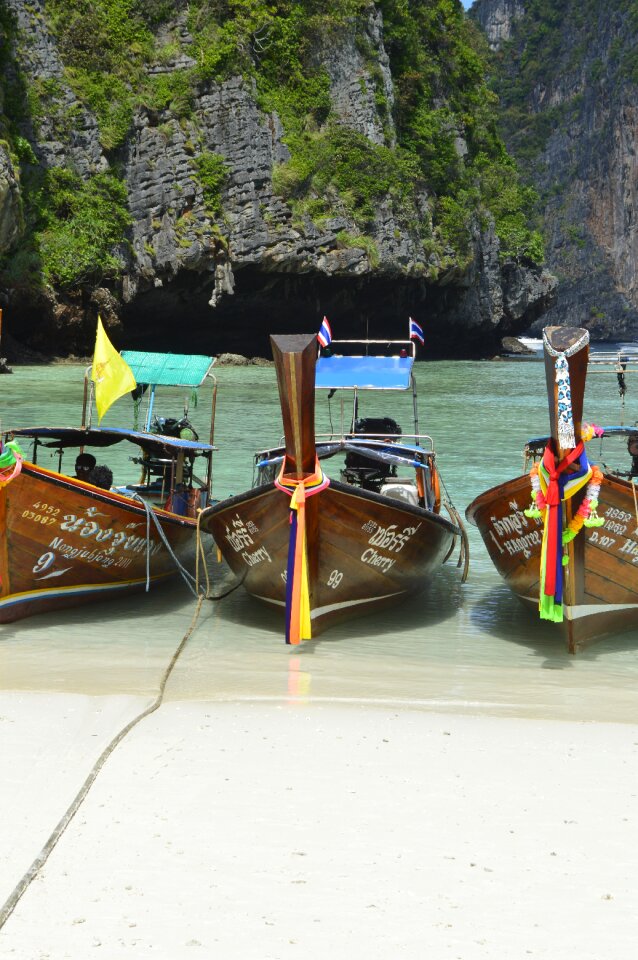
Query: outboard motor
365, 471
159, 468
385, 427
169, 427
632, 449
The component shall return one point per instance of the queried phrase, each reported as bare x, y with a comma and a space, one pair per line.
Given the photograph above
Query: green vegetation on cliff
81, 221
447, 117
438, 63
73, 226
441, 171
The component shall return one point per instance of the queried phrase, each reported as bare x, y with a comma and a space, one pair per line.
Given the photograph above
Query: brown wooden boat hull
600, 582
364, 550
66, 542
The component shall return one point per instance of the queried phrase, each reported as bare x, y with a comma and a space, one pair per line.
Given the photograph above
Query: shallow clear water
468, 648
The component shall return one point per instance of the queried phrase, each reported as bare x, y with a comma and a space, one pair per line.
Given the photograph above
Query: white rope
575, 347
188, 578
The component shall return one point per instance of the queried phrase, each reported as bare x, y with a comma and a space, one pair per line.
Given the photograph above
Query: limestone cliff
567, 77
187, 221
497, 18
10, 206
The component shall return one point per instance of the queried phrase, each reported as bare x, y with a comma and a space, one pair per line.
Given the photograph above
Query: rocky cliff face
10, 207
567, 78
195, 278
497, 19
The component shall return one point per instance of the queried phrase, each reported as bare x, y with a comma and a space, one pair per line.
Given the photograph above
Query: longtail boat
572, 553
67, 539
324, 549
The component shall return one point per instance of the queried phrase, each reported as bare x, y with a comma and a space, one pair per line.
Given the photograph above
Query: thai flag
416, 332
325, 333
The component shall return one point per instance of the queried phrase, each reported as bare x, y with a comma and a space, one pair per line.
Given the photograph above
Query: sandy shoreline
252, 830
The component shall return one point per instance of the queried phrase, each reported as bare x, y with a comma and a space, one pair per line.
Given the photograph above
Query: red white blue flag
416, 332
325, 333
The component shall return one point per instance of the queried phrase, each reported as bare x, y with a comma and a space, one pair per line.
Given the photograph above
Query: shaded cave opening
177, 317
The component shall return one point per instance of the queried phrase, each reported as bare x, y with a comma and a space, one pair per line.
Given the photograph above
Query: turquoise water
468, 648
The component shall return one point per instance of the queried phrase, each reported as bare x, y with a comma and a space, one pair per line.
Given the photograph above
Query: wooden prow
295, 359
561, 339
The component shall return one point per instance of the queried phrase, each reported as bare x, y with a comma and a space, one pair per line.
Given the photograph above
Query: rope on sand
22, 886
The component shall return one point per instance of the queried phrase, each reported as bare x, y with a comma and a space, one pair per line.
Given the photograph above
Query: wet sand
291, 828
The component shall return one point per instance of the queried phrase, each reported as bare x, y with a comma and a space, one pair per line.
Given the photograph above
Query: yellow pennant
111, 374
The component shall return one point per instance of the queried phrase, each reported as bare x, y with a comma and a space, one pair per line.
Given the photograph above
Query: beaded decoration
566, 436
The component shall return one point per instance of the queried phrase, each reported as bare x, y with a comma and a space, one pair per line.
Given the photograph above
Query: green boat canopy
168, 369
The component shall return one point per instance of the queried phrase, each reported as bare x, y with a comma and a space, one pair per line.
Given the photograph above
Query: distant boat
576, 560
326, 549
66, 541
535, 344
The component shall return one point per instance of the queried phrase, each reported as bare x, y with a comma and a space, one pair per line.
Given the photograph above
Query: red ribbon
553, 500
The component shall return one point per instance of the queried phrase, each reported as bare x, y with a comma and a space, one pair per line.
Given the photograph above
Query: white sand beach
290, 828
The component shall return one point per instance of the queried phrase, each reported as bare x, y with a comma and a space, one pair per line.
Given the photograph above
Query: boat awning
168, 369
152, 443
363, 373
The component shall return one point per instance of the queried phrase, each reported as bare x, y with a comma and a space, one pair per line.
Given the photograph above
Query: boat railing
351, 436
383, 448
619, 361
407, 345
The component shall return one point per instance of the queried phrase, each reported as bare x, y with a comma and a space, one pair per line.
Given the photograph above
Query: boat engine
367, 472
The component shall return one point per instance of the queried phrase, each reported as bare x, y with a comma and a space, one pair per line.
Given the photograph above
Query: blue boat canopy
168, 369
364, 373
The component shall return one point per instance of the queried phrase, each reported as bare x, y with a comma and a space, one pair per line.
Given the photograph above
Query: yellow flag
111, 374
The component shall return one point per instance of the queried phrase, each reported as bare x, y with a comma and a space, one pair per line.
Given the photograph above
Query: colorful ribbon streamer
298, 624
557, 486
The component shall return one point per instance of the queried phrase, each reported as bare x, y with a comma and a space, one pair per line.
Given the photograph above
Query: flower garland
11, 457
586, 515
553, 483
590, 430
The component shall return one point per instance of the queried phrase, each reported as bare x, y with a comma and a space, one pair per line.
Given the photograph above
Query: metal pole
86, 396
209, 475
147, 428
415, 406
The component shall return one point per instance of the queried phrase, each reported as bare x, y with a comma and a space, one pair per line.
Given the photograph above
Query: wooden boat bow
295, 359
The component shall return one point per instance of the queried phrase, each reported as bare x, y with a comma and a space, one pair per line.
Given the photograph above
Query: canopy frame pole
149, 412
213, 411
87, 400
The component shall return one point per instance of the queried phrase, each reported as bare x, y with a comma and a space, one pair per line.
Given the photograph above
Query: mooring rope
633, 490
187, 577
